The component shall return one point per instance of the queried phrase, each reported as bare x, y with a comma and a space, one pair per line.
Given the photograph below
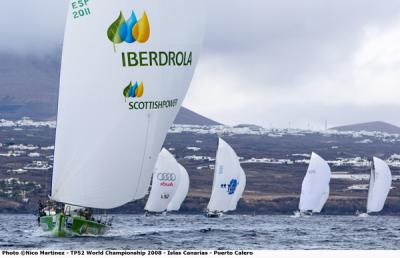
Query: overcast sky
269, 62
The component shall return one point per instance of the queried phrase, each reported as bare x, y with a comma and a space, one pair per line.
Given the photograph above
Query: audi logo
166, 177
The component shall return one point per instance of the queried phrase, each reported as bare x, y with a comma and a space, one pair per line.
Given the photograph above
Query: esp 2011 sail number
80, 8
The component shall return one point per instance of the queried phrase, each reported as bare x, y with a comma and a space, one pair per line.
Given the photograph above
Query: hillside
275, 162
188, 117
370, 127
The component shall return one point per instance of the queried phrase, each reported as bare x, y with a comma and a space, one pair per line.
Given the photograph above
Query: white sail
126, 68
181, 192
226, 178
315, 184
324, 199
166, 180
380, 184
240, 190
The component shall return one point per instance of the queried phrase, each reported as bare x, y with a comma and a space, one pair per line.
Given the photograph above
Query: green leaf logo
113, 31
133, 90
126, 90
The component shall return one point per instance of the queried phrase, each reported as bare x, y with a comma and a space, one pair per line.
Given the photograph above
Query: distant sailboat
120, 91
229, 181
165, 183
379, 186
181, 192
315, 187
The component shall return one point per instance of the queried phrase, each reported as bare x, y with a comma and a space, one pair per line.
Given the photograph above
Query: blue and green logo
231, 187
129, 31
135, 90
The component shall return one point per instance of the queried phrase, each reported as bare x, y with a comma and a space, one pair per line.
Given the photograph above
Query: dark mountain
29, 85
29, 88
188, 117
370, 127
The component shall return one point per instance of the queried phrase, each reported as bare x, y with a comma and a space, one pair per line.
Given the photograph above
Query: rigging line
144, 153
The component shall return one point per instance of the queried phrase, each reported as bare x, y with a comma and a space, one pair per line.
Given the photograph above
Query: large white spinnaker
226, 178
181, 192
166, 180
239, 192
324, 199
126, 68
315, 184
379, 187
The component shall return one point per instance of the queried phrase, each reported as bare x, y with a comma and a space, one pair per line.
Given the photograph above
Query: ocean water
236, 232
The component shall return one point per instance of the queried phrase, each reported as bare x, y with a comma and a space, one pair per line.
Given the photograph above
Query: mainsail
166, 180
379, 186
181, 192
126, 68
315, 184
226, 179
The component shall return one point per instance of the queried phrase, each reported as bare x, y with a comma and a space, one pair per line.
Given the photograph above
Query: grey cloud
31, 25
285, 42
264, 44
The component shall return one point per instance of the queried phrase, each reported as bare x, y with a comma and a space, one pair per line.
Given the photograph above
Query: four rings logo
171, 177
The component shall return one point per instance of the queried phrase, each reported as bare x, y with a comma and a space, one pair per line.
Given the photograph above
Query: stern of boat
68, 226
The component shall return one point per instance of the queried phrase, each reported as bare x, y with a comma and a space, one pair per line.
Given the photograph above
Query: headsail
166, 180
181, 192
122, 84
379, 187
315, 184
226, 178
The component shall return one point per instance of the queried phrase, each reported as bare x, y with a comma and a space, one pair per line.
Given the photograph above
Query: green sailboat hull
62, 225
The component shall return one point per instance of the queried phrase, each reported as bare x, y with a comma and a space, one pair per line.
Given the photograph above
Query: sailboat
122, 83
229, 182
165, 183
315, 187
379, 186
182, 191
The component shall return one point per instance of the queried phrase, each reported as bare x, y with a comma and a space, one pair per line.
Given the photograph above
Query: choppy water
229, 232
